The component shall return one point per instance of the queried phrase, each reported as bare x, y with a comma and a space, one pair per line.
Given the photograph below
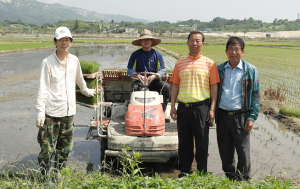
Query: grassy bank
130, 175
16, 43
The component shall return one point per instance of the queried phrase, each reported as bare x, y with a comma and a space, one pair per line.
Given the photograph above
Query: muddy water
273, 151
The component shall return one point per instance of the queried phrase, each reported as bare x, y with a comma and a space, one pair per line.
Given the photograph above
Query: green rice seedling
19, 46
289, 111
89, 67
90, 83
87, 100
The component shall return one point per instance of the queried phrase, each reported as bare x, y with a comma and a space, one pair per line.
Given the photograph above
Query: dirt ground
270, 108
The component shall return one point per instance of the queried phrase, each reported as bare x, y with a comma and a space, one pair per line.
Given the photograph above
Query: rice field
277, 66
276, 61
19, 46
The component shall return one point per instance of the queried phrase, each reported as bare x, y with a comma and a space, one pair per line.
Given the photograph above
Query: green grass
19, 46
248, 43
12, 43
129, 176
289, 111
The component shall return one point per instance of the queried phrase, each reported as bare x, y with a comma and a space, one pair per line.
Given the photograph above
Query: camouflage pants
55, 138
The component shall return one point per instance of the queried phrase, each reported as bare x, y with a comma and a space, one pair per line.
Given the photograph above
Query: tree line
218, 24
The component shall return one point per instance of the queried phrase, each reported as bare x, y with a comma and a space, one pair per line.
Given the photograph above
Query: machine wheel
173, 162
107, 112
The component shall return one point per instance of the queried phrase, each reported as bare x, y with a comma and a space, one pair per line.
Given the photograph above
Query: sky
203, 10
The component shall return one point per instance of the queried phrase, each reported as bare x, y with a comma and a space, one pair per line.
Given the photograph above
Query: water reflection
108, 56
29, 61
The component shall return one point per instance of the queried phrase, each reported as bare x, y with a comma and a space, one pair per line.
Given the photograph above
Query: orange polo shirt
194, 75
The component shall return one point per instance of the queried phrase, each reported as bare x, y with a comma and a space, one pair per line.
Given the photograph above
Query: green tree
235, 31
246, 30
76, 25
171, 30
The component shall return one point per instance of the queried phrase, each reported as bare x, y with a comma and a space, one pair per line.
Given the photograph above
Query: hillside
32, 11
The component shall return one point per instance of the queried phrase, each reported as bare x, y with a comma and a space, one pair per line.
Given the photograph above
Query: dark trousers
192, 125
232, 137
156, 85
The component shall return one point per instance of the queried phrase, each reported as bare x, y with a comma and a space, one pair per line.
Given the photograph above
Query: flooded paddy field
274, 150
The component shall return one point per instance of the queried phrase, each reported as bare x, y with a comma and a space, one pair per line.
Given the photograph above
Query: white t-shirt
56, 95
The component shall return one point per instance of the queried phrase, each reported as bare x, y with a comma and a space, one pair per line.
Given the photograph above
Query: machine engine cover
150, 122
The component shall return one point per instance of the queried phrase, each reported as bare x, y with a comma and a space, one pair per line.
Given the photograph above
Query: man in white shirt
56, 101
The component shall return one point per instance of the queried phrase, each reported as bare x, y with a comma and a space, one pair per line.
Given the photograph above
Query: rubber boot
164, 105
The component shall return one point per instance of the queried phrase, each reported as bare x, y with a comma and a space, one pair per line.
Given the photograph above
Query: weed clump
275, 93
28, 176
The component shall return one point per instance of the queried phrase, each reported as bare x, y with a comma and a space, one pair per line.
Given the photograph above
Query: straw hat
146, 34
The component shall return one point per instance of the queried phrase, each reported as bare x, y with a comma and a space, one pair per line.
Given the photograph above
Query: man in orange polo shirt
195, 80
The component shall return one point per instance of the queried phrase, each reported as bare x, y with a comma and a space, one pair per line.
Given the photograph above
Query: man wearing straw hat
149, 60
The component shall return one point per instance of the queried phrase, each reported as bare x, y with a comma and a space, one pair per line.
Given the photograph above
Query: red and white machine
145, 116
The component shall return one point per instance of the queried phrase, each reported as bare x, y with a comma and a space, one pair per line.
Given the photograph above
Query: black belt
234, 112
194, 104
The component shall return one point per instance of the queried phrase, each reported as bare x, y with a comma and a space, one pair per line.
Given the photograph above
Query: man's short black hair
71, 39
234, 40
196, 32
